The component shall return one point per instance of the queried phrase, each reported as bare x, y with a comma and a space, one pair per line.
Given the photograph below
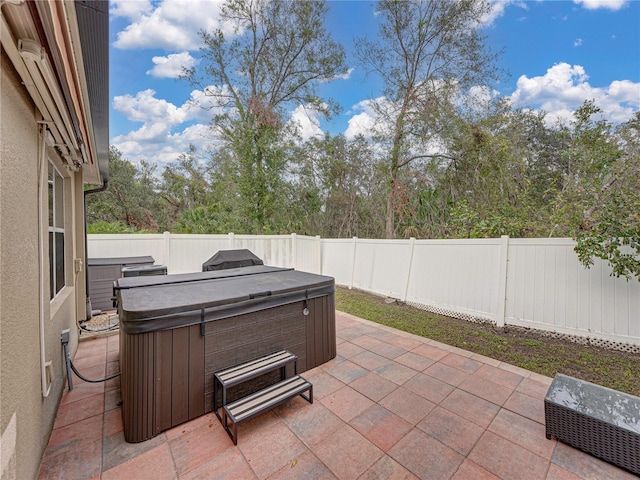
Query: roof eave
92, 22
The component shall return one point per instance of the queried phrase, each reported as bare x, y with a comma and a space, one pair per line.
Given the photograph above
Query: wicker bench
594, 419
262, 400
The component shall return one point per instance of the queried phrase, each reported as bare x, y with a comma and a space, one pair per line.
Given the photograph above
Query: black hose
75, 370
68, 362
92, 381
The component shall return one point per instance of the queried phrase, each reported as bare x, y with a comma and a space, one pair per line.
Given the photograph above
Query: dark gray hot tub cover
96, 262
225, 259
171, 305
125, 283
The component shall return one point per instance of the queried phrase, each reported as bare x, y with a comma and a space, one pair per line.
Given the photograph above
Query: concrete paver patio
390, 406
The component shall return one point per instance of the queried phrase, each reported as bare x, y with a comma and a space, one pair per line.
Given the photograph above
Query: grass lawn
525, 348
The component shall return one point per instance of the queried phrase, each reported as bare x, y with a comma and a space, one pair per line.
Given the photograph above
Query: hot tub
176, 331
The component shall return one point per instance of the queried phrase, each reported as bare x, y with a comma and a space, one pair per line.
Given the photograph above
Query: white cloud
498, 7
307, 121
563, 88
344, 76
481, 96
172, 25
363, 123
145, 107
171, 65
213, 99
360, 124
559, 92
167, 130
149, 132
165, 148
376, 116
128, 9
577, 42
596, 4
155, 33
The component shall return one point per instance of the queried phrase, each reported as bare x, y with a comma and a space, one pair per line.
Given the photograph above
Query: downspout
105, 185
45, 366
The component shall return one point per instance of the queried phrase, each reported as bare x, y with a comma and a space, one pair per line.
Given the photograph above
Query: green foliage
467, 222
184, 185
344, 183
130, 197
599, 201
278, 58
613, 235
110, 227
198, 220
425, 53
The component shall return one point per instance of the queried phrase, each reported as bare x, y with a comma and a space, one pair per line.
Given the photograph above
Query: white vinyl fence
534, 283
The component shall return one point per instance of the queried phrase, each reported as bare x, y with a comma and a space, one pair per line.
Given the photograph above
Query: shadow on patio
391, 405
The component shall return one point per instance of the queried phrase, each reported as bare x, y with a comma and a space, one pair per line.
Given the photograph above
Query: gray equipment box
102, 272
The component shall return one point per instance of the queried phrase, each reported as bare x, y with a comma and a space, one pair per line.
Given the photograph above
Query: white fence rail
536, 283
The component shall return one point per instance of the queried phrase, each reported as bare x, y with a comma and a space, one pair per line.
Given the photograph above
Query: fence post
319, 254
353, 261
412, 242
231, 241
166, 250
501, 304
293, 251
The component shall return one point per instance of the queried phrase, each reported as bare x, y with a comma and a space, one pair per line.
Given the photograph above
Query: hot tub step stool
243, 372
263, 400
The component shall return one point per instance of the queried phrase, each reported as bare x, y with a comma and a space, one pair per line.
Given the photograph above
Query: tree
426, 53
492, 154
130, 197
278, 57
184, 185
607, 221
347, 185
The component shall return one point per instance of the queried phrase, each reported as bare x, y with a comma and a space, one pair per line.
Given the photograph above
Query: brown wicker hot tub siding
167, 375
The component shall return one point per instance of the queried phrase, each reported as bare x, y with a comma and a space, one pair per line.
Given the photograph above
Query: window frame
56, 231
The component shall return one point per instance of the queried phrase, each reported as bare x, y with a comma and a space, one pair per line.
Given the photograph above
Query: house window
56, 231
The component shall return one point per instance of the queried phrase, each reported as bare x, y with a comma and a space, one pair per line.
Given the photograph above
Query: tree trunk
390, 223
395, 161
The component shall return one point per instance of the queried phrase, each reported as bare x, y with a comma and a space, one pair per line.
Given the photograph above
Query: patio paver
391, 405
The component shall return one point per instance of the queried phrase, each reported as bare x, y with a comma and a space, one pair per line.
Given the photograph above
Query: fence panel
189, 252
337, 260
382, 266
274, 250
127, 245
536, 283
549, 289
458, 276
307, 254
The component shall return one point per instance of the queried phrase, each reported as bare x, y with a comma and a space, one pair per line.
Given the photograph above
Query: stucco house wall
72, 39
26, 416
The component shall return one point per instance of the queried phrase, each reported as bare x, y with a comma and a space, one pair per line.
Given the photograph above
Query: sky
557, 54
